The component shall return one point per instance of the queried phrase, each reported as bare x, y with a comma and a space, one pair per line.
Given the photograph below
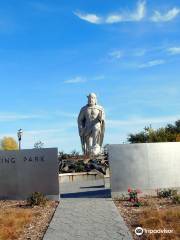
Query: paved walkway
86, 212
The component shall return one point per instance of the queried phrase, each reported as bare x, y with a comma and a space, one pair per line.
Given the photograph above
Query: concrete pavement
86, 212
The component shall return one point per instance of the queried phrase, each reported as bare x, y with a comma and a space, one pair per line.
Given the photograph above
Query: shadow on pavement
103, 193
99, 186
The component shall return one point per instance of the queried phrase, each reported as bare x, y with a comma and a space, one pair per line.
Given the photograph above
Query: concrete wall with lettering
146, 166
26, 171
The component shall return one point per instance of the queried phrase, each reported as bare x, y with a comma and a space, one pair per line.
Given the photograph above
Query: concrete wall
26, 171
146, 166
78, 177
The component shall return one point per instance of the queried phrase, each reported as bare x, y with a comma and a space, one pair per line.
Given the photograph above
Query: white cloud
118, 130
66, 114
63, 137
80, 79
89, 17
116, 54
15, 116
170, 15
42, 132
139, 52
138, 15
74, 80
126, 16
174, 50
114, 18
152, 63
141, 121
140, 12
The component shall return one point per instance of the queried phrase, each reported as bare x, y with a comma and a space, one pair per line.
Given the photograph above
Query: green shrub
79, 167
36, 198
176, 198
166, 193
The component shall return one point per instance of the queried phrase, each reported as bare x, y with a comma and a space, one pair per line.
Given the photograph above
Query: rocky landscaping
72, 165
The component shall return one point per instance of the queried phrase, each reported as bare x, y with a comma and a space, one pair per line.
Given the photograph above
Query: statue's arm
80, 122
101, 115
102, 127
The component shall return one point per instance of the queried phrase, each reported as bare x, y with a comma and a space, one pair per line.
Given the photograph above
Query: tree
178, 138
74, 153
9, 143
38, 145
170, 133
137, 138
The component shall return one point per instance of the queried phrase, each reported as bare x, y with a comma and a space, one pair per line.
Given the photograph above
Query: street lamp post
19, 134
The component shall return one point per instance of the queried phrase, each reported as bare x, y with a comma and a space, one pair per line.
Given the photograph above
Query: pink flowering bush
133, 197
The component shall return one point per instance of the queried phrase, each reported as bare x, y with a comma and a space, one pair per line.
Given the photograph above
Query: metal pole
19, 144
19, 133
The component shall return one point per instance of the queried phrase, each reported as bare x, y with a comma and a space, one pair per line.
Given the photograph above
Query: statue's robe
90, 117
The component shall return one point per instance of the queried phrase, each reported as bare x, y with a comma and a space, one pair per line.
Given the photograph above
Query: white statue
91, 124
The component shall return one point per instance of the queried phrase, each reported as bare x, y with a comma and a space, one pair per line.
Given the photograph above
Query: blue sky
53, 53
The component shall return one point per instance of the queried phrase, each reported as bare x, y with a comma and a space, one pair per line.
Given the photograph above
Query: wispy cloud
42, 7
139, 52
80, 79
127, 16
114, 18
117, 54
174, 50
75, 80
135, 16
56, 137
42, 132
15, 117
138, 15
152, 63
89, 17
66, 114
62, 137
140, 12
141, 120
168, 16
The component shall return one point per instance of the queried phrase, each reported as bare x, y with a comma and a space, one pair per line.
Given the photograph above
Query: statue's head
92, 99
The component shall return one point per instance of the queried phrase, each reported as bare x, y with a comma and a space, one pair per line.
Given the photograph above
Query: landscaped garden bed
20, 220
154, 214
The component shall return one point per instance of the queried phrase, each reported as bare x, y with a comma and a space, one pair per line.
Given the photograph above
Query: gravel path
86, 212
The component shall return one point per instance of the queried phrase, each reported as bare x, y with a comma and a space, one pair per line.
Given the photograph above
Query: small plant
166, 193
36, 198
176, 198
133, 197
79, 167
